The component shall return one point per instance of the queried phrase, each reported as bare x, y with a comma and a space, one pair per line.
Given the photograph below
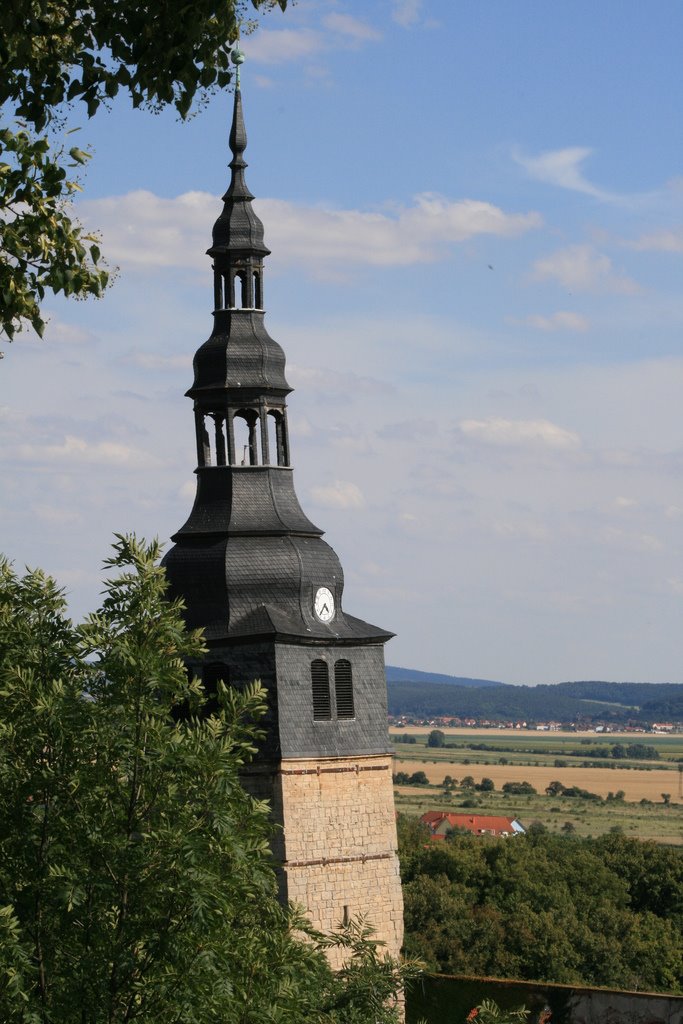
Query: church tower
267, 590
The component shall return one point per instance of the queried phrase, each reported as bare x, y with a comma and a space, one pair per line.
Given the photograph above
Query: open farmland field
542, 758
490, 732
637, 784
524, 747
656, 821
514, 741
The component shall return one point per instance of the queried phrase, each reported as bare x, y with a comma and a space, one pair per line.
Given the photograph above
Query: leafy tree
467, 782
519, 788
582, 794
642, 752
436, 738
527, 910
136, 881
56, 53
41, 246
486, 785
418, 779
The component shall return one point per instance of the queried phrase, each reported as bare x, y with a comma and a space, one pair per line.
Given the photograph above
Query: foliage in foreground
607, 911
135, 874
489, 1012
55, 54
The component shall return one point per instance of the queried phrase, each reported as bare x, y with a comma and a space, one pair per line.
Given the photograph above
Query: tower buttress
256, 575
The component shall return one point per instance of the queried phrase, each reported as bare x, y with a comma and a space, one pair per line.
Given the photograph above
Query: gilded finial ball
237, 56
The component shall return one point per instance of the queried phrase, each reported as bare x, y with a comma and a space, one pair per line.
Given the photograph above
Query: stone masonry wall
340, 854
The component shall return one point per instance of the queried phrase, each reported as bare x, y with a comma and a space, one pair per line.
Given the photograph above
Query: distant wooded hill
411, 675
416, 695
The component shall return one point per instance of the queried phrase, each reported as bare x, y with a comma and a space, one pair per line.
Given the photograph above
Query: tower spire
238, 232
256, 575
238, 134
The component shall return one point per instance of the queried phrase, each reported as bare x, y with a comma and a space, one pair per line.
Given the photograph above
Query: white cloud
582, 268
66, 334
562, 167
55, 516
660, 241
287, 45
330, 384
278, 46
560, 321
76, 450
420, 233
151, 361
353, 28
631, 541
340, 494
517, 433
143, 230
526, 530
406, 12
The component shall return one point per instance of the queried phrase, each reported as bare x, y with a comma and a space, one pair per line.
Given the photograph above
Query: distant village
602, 728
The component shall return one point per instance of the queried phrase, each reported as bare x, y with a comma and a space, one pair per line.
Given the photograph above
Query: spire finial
237, 59
238, 227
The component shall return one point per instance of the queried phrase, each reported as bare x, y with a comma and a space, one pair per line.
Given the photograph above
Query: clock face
323, 604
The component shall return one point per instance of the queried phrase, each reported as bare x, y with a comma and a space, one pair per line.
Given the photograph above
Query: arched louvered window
343, 688
320, 688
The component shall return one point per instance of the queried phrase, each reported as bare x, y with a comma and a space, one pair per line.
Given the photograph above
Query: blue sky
476, 217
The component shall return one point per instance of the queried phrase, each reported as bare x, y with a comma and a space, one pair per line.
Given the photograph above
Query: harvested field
637, 784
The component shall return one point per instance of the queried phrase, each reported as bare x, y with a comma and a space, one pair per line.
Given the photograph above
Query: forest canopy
560, 909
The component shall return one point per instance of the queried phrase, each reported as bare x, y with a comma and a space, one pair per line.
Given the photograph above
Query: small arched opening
247, 439
237, 291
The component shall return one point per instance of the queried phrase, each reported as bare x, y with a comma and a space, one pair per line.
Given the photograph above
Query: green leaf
79, 155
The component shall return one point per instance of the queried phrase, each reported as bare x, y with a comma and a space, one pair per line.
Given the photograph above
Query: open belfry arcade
256, 575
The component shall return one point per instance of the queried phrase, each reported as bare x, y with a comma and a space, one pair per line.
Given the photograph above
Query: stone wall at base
336, 842
340, 857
